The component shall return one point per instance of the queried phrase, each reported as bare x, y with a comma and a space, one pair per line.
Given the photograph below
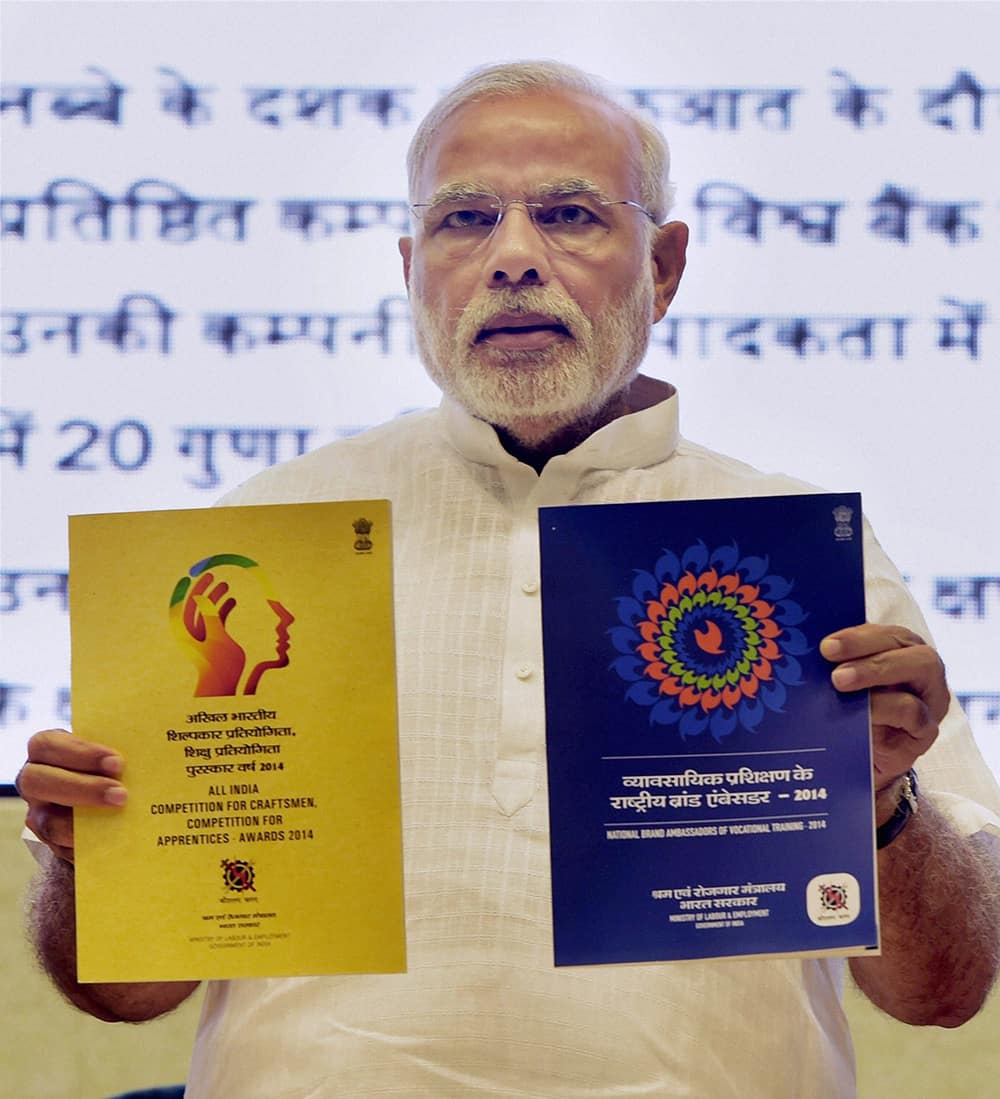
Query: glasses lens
575, 224
571, 223
468, 220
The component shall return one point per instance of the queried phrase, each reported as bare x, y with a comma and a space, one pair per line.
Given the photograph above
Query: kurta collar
635, 441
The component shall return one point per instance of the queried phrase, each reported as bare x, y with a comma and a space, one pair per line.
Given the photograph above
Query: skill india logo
709, 641
230, 623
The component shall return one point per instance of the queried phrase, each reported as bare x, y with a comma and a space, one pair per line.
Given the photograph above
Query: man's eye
569, 216
468, 219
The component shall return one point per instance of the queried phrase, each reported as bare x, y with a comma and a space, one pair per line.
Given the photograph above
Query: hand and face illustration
227, 618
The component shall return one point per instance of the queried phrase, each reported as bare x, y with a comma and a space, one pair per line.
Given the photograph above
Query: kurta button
529, 587
524, 671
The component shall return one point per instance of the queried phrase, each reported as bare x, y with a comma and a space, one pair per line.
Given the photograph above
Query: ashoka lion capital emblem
362, 528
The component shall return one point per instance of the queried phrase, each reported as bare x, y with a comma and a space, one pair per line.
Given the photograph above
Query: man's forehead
540, 136
541, 189
506, 106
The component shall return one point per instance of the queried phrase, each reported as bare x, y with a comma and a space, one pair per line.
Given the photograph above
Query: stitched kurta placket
521, 741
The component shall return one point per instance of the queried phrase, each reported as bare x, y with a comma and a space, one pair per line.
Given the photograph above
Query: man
538, 263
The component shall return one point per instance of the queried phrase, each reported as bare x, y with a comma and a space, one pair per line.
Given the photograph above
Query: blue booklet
710, 792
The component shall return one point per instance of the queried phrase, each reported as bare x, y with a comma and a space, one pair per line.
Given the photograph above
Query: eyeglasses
576, 222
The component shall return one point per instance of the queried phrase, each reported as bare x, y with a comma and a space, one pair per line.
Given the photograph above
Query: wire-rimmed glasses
460, 220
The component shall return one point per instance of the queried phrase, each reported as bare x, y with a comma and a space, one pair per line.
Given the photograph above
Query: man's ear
405, 246
668, 257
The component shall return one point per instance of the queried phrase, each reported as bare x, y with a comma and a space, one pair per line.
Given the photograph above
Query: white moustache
535, 305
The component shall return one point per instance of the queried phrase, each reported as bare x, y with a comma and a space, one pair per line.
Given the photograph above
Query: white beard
535, 393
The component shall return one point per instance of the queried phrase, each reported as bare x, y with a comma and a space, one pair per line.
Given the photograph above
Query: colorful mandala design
709, 641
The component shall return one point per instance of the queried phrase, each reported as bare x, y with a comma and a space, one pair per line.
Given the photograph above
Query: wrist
894, 806
887, 799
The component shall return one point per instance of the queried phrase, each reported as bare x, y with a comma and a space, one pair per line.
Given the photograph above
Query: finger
903, 728
917, 670
196, 606
208, 612
202, 583
218, 591
225, 609
41, 783
53, 825
873, 655
59, 748
867, 639
193, 622
66, 770
894, 752
907, 713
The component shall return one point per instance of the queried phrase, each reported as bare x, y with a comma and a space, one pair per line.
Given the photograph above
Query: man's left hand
909, 694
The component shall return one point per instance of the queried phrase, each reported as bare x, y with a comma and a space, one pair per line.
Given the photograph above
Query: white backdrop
201, 202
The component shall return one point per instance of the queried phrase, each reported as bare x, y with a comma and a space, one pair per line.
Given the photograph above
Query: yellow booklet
243, 662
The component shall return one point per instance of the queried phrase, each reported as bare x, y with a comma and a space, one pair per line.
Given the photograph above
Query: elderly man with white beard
541, 256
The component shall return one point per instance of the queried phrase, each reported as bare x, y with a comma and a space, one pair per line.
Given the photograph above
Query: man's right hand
63, 772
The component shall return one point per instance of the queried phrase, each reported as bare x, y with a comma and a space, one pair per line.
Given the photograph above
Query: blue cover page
710, 792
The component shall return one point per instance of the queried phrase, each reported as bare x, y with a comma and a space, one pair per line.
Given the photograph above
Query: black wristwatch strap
904, 810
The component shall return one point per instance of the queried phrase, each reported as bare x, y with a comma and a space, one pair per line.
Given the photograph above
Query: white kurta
482, 1011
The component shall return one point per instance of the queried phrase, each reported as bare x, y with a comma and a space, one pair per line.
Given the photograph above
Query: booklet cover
243, 662
710, 792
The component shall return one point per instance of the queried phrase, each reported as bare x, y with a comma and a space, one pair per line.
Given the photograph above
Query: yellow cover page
242, 660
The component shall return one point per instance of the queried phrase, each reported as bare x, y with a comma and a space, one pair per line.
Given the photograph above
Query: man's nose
517, 252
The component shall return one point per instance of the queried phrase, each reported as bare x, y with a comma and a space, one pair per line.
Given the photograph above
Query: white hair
521, 77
